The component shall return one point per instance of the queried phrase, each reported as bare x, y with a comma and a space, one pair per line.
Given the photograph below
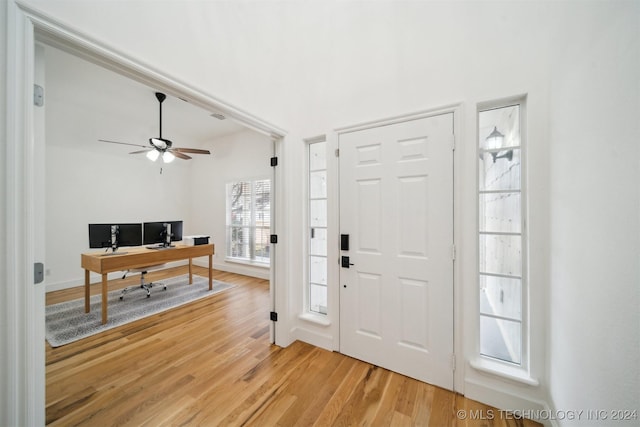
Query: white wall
4, 323
315, 66
594, 342
80, 190
92, 182
239, 156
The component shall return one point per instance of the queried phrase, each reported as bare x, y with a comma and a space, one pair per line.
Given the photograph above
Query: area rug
67, 322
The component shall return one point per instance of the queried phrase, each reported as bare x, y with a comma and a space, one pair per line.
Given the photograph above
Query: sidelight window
501, 233
317, 227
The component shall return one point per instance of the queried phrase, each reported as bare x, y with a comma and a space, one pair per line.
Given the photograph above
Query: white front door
396, 205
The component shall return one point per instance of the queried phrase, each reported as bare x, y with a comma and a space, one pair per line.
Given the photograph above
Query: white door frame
22, 392
456, 109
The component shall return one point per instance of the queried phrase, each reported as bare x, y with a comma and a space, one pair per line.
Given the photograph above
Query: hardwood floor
210, 363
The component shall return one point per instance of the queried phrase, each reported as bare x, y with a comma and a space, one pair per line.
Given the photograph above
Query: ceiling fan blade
141, 151
180, 155
191, 150
122, 143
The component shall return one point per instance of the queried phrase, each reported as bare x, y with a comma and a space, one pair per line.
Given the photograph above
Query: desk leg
87, 292
104, 298
210, 272
191, 271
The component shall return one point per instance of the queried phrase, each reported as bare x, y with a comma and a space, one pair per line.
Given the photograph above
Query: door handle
345, 262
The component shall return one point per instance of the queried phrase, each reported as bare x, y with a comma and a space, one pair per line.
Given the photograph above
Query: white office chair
143, 285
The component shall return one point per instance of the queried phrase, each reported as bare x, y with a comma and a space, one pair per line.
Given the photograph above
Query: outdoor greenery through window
249, 220
502, 266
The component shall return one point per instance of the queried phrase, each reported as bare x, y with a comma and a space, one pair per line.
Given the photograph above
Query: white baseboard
259, 273
94, 278
317, 339
58, 286
552, 422
507, 401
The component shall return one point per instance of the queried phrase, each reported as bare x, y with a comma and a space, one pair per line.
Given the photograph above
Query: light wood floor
210, 363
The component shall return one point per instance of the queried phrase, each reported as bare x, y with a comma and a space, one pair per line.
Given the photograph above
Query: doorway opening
31, 28
86, 102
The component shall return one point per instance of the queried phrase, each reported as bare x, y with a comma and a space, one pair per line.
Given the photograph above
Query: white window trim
265, 265
316, 318
503, 370
307, 314
519, 373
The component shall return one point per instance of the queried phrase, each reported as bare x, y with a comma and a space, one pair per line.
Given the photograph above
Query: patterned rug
67, 322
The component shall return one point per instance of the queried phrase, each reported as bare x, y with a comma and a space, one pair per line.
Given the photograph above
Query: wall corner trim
507, 400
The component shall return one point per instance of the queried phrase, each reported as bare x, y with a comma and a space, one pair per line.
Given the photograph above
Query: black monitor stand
114, 242
167, 235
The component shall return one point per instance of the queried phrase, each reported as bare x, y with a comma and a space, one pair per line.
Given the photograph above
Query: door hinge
38, 273
38, 95
337, 152
274, 161
453, 362
274, 238
273, 316
453, 252
453, 142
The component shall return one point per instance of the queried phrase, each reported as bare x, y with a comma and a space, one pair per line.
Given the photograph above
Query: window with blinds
249, 220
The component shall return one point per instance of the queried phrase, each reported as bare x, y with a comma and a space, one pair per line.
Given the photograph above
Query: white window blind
249, 220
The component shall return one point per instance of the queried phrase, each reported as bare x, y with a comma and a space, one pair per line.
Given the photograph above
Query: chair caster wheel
121, 298
148, 295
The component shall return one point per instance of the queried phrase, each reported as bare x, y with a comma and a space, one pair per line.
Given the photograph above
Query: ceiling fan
161, 147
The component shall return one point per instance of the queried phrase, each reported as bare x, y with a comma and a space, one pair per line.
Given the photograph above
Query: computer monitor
100, 236
156, 232
114, 235
130, 234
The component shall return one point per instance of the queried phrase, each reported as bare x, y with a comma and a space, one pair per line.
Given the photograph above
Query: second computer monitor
156, 232
130, 234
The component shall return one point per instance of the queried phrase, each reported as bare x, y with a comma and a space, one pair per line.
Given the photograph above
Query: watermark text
623, 415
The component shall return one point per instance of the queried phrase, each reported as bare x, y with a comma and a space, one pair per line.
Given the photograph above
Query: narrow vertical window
249, 220
501, 273
317, 265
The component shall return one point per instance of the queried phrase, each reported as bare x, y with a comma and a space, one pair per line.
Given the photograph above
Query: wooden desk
103, 264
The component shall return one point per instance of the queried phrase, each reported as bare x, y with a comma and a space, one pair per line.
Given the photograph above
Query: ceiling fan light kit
168, 157
161, 146
160, 143
153, 155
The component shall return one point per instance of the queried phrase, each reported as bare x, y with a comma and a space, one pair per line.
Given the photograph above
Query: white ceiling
85, 102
